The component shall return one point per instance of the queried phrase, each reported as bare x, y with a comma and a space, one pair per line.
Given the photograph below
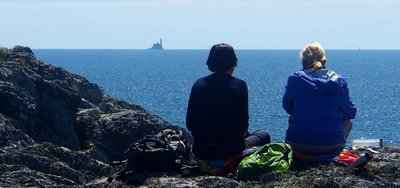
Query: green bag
273, 157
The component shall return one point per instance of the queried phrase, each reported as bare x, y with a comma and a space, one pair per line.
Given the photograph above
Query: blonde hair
313, 56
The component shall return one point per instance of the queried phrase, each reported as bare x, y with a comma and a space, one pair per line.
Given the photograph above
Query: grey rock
38, 96
57, 128
53, 105
25, 177
17, 102
91, 92
10, 136
54, 165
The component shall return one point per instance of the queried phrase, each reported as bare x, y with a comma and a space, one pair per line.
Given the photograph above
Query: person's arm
347, 107
287, 100
191, 111
245, 103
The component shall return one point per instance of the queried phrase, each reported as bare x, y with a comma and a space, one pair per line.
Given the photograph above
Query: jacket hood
321, 81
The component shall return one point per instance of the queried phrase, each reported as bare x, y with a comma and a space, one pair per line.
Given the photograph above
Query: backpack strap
172, 135
148, 143
152, 144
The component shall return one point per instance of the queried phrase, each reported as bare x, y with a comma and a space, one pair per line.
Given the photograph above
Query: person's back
220, 106
316, 117
217, 114
320, 109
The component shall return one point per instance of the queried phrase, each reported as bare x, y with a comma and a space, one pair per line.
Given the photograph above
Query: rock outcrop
57, 129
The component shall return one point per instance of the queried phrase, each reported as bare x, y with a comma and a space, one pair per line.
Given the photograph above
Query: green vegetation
3, 54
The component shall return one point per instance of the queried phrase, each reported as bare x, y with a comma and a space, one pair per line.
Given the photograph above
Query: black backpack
165, 151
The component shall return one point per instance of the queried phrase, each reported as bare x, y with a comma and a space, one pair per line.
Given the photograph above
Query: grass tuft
3, 54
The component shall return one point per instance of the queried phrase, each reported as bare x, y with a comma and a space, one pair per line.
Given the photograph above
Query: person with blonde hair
319, 107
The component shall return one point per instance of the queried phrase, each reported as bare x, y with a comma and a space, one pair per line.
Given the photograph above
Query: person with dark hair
217, 113
319, 107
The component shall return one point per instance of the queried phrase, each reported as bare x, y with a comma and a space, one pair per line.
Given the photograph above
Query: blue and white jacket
317, 102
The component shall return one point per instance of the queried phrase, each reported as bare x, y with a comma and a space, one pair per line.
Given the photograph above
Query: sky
198, 24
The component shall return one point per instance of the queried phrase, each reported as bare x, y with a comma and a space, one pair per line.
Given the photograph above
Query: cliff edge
58, 129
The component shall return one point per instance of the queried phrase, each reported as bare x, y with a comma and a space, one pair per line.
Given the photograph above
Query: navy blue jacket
317, 102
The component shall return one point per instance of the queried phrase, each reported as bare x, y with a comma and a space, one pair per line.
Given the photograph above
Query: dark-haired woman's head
222, 57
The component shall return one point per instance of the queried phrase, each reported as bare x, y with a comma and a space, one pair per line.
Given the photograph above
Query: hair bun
312, 53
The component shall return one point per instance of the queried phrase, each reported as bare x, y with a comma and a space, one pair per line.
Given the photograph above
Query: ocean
160, 81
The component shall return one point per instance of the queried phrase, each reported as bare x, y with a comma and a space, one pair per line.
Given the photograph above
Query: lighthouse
157, 46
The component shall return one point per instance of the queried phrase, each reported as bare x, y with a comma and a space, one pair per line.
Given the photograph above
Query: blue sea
160, 81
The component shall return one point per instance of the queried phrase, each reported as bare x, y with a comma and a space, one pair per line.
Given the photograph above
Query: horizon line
361, 49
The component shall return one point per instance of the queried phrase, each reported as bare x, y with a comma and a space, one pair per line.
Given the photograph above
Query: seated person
319, 107
217, 113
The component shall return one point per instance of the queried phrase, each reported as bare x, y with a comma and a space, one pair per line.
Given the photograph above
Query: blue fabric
317, 102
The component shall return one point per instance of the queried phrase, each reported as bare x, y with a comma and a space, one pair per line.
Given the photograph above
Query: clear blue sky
198, 24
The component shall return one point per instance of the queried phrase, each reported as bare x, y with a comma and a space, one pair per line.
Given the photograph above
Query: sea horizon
160, 81
255, 49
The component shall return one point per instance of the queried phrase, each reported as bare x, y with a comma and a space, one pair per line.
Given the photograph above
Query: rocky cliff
57, 129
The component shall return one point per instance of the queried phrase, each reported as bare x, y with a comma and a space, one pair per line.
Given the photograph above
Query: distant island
157, 46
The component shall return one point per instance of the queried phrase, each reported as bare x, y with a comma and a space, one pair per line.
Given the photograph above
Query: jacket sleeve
191, 111
347, 107
288, 97
245, 103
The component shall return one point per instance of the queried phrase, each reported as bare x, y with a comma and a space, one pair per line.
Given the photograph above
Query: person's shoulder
332, 72
297, 74
335, 77
200, 82
238, 81
202, 79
